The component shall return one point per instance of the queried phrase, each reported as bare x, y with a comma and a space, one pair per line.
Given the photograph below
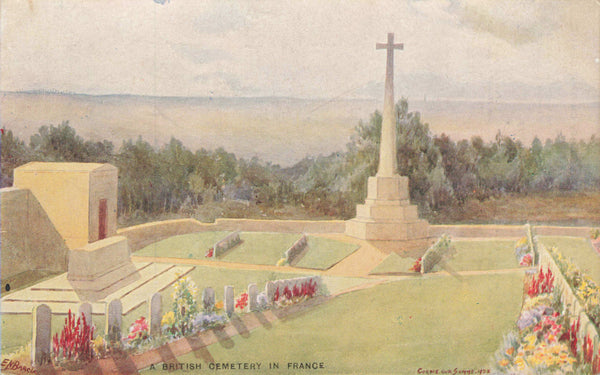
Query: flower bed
585, 289
546, 340
298, 293
523, 252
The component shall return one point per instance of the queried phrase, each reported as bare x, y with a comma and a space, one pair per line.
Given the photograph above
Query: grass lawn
194, 245
260, 248
323, 253
579, 250
395, 328
393, 263
483, 255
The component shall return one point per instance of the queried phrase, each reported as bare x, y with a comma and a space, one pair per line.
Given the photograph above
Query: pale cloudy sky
462, 49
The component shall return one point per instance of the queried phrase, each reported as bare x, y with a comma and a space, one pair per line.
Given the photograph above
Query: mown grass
260, 248
396, 328
323, 253
194, 245
483, 255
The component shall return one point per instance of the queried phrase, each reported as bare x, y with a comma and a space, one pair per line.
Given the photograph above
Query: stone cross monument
387, 214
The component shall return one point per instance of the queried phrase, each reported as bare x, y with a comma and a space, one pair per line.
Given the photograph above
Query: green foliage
184, 304
443, 173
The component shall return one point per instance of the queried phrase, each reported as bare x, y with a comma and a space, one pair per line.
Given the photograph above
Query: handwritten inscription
9, 364
454, 371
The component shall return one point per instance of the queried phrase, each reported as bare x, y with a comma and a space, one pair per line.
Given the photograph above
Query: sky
458, 49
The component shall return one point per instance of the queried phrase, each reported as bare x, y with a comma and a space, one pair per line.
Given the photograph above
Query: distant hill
281, 130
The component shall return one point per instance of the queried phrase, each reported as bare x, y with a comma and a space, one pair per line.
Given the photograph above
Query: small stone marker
114, 316
85, 309
208, 299
42, 335
270, 291
155, 313
252, 297
229, 300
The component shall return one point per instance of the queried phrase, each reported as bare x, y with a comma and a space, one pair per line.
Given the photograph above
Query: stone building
79, 198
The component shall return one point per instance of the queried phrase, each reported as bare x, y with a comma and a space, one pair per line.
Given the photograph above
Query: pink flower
139, 328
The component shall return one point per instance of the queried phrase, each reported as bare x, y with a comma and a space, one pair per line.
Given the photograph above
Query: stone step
134, 297
58, 294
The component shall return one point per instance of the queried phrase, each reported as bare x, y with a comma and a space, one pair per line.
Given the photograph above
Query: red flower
287, 292
416, 267
210, 253
242, 301
138, 329
588, 349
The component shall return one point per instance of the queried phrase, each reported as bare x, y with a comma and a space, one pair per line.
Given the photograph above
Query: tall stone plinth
387, 215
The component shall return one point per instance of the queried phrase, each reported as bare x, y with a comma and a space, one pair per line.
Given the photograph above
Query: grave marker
208, 299
155, 313
114, 316
252, 297
85, 309
229, 300
42, 335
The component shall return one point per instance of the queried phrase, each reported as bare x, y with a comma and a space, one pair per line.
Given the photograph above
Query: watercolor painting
285, 187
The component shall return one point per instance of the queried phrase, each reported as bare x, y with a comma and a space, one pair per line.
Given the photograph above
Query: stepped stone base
100, 268
387, 215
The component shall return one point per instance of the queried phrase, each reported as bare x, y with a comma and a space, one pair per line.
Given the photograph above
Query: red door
102, 219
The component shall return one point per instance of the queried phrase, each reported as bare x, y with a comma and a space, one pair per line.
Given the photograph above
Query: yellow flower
98, 344
168, 319
219, 305
503, 362
281, 262
520, 362
510, 351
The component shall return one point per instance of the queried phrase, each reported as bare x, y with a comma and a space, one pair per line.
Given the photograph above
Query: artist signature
9, 364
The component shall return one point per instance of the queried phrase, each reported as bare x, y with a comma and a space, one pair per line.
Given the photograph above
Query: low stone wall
289, 226
477, 230
545, 230
568, 297
29, 240
296, 249
140, 236
225, 244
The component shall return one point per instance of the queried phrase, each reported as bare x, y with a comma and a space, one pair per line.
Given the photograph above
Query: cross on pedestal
387, 146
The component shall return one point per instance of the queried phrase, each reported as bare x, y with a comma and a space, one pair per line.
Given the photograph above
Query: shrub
184, 304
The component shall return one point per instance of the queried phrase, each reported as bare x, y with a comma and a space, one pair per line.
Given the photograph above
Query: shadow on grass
199, 348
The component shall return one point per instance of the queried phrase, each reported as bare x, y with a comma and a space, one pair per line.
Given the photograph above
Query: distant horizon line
424, 99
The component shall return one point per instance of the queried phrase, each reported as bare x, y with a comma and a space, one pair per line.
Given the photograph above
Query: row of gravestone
42, 315
41, 345
273, 286
226, 243
296, 249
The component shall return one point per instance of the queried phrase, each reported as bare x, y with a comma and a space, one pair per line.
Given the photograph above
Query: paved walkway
59, 295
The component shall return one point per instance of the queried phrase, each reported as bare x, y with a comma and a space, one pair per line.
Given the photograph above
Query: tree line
443, 173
